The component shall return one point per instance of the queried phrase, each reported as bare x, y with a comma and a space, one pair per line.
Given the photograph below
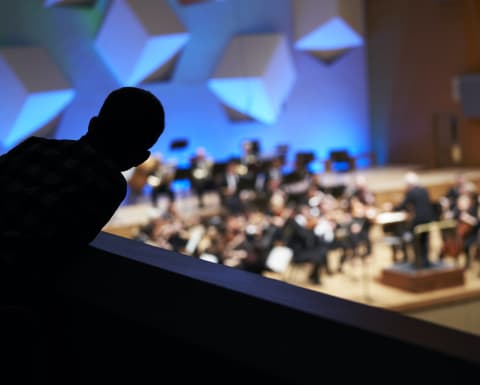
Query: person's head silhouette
128, 124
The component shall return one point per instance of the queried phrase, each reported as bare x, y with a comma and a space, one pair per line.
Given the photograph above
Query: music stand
179, 144
340, 160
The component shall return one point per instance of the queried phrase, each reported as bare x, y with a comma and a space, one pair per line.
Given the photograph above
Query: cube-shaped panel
328, 27
52, 3
138, 38
191, 2
32, 96
255, 76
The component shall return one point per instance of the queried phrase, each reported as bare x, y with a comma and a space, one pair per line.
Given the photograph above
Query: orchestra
293, 210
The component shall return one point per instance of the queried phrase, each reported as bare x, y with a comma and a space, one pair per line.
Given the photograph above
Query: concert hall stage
360, 282
388, 182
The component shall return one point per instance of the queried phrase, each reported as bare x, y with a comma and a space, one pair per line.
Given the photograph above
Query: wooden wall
415, 50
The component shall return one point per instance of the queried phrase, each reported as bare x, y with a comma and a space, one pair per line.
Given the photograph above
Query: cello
453, 244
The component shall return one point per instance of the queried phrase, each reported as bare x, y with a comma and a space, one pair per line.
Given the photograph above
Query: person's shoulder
37, 143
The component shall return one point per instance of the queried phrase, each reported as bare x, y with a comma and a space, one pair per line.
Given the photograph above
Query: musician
249, 164
297, 182
452, 194
359, 189
465, 235
211, 244
160, 178
309, 237
357, 235
418, 204
268, 181
137, 178
240, 244
201, 165
250, 153
229, 185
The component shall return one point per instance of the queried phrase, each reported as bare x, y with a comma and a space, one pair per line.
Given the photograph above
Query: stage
360, 282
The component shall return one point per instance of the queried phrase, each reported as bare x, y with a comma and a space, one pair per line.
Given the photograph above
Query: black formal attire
353, 240
418, 203
201, 176
229, 184
266, 183
308, 246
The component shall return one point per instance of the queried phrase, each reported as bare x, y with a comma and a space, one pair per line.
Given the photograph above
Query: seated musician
160, 179
297, 182
356, 242
465, 234
201, 165
268, 181
359, 189
309, 237
449, 200
243, 246
137, 178
229, 185
249, 164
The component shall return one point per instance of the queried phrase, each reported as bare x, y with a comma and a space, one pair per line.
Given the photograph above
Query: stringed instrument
453, 243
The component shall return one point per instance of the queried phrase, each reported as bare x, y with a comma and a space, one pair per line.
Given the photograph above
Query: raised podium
438, 276
411, 277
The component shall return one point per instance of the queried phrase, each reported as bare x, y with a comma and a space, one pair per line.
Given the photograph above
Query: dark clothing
65, 190
229, 184
353, 241
55, 197
417, 202
307, 247
464, 236
452, 195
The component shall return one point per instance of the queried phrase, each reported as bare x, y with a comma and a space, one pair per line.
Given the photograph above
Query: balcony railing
142, 310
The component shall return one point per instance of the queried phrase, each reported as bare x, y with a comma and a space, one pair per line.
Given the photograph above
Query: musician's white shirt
325, 229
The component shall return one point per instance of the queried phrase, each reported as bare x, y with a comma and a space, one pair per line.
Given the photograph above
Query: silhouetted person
57, 195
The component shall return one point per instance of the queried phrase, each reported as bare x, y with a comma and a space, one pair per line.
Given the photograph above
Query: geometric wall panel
190, 2
328, 28
255, 76
50, 3
139, 38
32, 95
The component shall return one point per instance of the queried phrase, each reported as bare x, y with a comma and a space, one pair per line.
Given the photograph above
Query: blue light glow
327, 106
37, 111
247, 95
12, 96
118, 46
333, 35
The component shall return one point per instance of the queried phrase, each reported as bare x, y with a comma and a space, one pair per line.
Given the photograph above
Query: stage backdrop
277, 71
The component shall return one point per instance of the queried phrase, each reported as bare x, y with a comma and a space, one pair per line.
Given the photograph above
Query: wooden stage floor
359, 281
